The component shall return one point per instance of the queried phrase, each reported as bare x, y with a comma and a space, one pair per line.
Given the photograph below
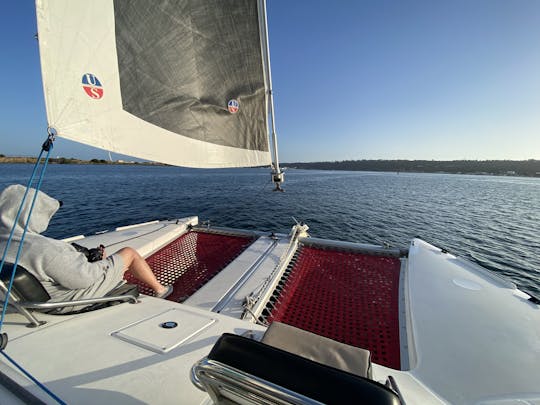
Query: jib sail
178, 82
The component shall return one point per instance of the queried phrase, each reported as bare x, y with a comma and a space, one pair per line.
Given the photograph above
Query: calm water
493, 220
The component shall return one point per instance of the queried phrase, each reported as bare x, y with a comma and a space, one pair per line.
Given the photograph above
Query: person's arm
72, 270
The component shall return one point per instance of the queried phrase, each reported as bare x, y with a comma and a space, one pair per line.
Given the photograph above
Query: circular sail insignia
233, 106
92, 86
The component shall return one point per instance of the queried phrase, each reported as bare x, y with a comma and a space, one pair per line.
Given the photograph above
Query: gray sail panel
181, 62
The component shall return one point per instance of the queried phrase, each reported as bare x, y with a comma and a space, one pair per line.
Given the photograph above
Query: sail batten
178, 82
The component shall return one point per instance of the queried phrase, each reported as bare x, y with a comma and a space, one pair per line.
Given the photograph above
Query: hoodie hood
10, 200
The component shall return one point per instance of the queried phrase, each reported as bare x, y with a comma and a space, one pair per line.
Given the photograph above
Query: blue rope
38, 161
27, 374
47, 146
20, 209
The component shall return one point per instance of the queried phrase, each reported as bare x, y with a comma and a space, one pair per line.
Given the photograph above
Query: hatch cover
150, 333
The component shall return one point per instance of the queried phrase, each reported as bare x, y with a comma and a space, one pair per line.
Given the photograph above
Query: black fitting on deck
3, 340
533, 299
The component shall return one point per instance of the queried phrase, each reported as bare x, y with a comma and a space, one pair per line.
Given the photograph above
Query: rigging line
255, 317
247, 186
36, 165
47, 145
31, 377
258, 194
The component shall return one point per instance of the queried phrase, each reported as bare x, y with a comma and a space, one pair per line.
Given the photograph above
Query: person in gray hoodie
64, 272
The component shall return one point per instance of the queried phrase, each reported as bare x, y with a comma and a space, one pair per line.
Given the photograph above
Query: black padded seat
306, 377
30, 290
25, 285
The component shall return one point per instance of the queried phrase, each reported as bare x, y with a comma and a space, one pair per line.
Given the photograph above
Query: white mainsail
157, 80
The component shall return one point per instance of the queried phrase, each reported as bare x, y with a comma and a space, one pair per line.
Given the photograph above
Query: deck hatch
150, 334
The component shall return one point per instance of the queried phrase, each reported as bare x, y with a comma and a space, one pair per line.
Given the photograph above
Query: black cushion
25, 284
314, 380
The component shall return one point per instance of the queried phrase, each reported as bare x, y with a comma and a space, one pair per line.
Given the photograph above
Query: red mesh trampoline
192, 260
345, 296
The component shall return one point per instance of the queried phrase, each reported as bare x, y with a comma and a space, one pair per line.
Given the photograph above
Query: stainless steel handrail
15, 301
75, 303
217, 378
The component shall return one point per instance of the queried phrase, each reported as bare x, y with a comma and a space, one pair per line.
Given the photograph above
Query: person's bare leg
135, 263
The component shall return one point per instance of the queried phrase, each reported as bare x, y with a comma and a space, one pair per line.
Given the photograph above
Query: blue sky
359, 79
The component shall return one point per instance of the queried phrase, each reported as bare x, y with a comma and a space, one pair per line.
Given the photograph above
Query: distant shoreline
73, 161
524, 168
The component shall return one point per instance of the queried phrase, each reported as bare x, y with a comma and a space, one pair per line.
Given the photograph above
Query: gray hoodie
65, 273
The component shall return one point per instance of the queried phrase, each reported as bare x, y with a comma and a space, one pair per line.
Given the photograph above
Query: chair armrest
88, 301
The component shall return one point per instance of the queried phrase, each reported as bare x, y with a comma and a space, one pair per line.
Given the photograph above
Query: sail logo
233, 106
92, 86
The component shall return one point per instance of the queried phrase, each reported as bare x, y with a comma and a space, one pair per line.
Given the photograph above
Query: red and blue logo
233, 106
92, 86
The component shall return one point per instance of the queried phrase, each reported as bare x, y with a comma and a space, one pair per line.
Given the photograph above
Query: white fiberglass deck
476, 337
81, 361
468, 336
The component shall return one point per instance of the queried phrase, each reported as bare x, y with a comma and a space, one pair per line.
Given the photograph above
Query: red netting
191, 261
348, 297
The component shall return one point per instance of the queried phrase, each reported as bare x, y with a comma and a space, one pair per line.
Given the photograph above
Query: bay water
489, 219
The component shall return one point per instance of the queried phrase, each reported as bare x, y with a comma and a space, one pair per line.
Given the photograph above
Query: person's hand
103, 253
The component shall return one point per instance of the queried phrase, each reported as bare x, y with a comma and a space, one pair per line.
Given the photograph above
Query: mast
278, 176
